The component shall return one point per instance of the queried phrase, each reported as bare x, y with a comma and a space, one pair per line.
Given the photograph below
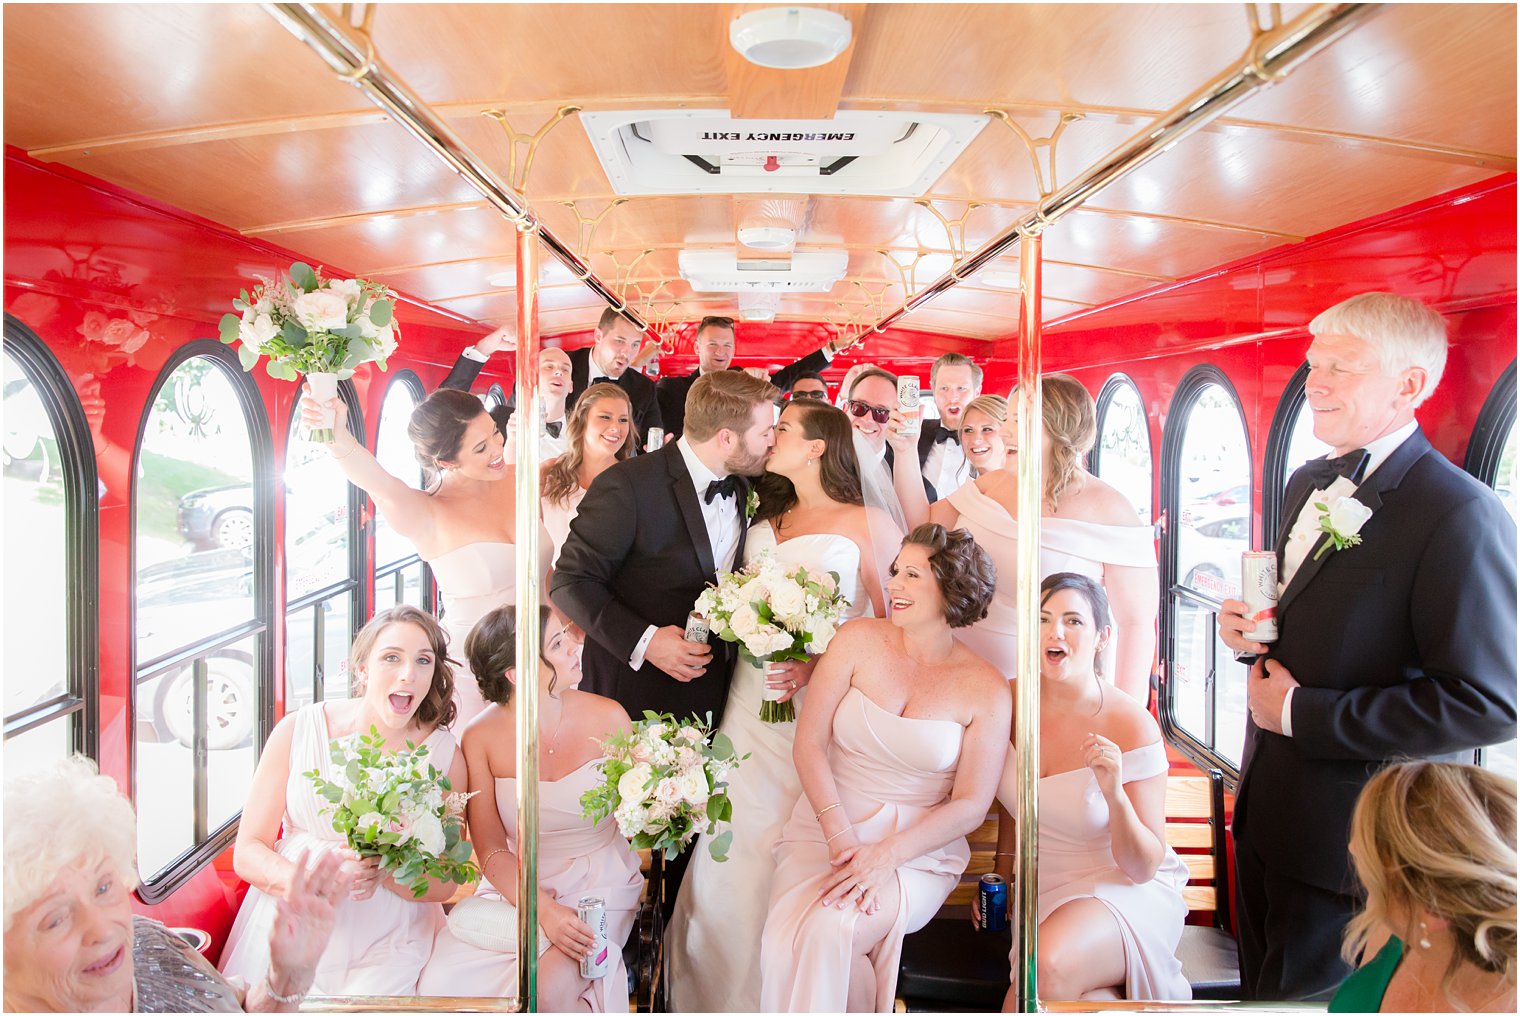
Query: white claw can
656, 439
908, 402
592, 910
697, 628
1258, 588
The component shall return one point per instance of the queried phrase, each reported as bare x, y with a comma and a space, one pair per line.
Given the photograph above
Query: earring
1424, 936
810, 463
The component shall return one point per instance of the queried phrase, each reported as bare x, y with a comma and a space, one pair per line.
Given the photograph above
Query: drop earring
1424, 936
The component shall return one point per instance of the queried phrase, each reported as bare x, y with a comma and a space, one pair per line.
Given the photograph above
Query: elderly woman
1434, 845
72, 943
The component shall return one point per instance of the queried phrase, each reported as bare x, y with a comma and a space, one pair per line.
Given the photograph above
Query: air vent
897, 154
720, 271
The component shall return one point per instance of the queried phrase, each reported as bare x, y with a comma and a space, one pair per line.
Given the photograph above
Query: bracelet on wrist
290, 999
824, 811
498, 850
836, 836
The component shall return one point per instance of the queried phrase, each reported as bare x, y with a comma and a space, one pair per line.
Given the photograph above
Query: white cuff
1287, 713
828, 351
636, 660
471, 353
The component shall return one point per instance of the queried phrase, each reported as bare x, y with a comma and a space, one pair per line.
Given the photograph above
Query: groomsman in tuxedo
651, 533
1397, 643
715, 351
553, 386
955, 380
608, 358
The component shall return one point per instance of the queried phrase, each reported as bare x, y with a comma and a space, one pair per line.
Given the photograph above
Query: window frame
1106, 395
1189, 389
76, 452
353, 585
158, 886
1274, 483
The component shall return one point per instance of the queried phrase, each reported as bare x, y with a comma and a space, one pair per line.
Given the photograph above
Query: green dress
1363, 991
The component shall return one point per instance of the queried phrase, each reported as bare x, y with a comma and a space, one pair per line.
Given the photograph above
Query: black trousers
674, 874
1289, 932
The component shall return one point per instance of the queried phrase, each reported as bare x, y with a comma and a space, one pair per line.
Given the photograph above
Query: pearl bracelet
290, 999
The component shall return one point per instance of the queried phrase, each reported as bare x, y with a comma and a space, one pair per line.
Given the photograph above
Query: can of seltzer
992, 892
697, 628
908, 402
1258, 588
593, 911
656, 439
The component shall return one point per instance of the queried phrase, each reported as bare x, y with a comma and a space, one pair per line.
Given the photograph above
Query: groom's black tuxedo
1403, 646
638, 554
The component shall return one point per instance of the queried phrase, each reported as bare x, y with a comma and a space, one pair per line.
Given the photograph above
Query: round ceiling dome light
790, 38
767, 237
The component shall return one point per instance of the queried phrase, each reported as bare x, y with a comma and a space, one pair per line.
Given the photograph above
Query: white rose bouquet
775, 612
307, 324
399, 807
663, 783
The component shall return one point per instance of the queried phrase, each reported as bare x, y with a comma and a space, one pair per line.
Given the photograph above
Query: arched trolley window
203, 543
401, 576
324, 562
494, 397
1205, 488
51, 647
1122, 454
1491, 458
1290, 444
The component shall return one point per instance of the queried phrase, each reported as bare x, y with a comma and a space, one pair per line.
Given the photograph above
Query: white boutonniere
751, 505
1342, 519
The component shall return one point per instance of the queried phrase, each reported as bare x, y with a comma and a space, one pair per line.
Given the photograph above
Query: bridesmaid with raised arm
576, 857
810, 512
1086, 526
899, 750
599, 433
464, 524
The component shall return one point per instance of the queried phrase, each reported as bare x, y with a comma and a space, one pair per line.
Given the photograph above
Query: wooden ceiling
218, 110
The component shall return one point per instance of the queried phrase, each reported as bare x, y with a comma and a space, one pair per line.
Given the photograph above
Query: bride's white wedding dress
712, 945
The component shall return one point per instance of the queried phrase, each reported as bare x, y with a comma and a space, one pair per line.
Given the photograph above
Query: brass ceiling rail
356, 62
1270, 58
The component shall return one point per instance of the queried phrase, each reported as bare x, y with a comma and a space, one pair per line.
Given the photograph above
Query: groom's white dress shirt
722, 516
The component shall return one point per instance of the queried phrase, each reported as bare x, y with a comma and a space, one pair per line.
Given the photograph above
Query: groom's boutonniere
1342, 519
751, 505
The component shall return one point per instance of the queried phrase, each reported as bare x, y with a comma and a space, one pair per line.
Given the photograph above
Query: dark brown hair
562, 478
837, 469
714, 321
871, 372
1092, 592
725, 399
609, 318
438, 424
963, 570
491, 648
437, 708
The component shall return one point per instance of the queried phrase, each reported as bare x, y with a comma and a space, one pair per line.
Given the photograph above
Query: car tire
232, 529
231, 703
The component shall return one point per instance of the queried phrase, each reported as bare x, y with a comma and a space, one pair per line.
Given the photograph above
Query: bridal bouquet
775, 612
663, 783
307, 324
399, 807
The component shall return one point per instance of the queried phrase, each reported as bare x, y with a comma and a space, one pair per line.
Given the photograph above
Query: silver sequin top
171, 976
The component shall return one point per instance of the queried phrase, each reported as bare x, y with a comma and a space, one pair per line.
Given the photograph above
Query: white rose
686, 758
631, 785
428, 832
320, 311
346, 288
667, 791
823, 633
788, 600
690, 734
655, 731
694, 790
1348, 515
257, 329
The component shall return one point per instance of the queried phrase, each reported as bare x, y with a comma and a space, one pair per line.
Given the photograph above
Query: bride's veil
884, 512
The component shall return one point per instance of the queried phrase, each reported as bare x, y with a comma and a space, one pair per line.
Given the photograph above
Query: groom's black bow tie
725, 487
1324, 471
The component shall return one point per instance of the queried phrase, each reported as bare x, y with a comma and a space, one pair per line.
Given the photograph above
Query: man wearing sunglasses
715, 351
810, 385
869, 402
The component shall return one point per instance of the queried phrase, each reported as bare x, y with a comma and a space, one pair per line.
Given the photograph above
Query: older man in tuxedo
1395, 640
715, 351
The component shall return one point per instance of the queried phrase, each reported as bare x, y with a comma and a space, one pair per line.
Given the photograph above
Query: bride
811, 512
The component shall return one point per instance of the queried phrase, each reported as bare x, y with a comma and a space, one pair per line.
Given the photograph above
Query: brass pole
529, 596
1026, 741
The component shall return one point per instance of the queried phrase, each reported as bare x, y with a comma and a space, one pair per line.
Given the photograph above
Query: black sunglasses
820, 396
878, 414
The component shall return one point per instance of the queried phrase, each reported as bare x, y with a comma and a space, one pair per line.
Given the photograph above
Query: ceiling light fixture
790, 38
771, 237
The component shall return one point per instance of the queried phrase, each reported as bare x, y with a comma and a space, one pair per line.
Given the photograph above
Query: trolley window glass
1122, 455
400, 575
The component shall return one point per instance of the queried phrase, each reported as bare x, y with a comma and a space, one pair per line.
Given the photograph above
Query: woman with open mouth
1110, 889
463, 523
383, 935
599, 433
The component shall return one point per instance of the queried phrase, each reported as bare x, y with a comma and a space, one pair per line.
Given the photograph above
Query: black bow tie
725, 487
1325, 471
604, 379
554, 427
946, 436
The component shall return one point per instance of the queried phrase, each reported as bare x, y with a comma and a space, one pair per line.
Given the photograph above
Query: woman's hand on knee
564, 928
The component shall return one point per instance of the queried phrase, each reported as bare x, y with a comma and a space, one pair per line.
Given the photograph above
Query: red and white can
1258, 588
697, 628
593, 911
908, 403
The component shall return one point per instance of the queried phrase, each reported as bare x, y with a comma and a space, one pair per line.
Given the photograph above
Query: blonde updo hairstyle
1071, 419
1438, 837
